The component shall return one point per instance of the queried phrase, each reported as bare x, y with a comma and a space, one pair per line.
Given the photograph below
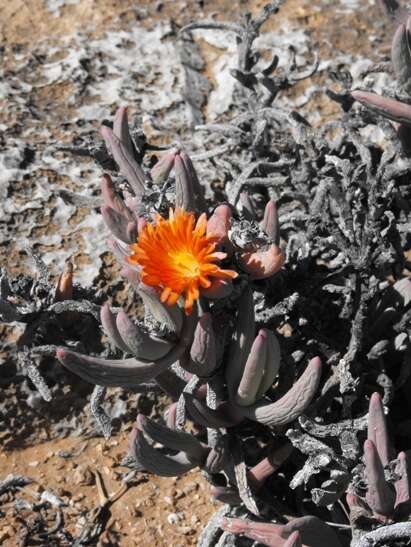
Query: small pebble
173, 518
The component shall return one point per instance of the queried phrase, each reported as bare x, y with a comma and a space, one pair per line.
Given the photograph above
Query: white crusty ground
138, 67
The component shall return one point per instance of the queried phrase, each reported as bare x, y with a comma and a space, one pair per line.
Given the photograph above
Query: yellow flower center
178, 257
186, 264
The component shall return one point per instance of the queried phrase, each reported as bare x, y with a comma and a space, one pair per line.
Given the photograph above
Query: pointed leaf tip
270, 223
377, 428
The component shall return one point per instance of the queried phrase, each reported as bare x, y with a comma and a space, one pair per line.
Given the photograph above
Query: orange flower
178, 256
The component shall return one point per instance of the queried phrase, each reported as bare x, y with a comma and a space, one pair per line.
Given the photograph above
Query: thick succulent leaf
218, 226
141, 344
175, 440
119, 252
253, 370
112, 199
158, 463
247, 205
218, 456
203, 350
258, 474
292, 404
132, 276
206, 416
263, 263
226, 494
119, 225
107, 372
403, 484
185, 191
127, 372
108, 321
313, 531
272, 364
262, 532
200, 203
401, 56
294, 540
385, 106
64, 287
219, 288
241, 343
270, 223
380, 496
121, 129
170, 416
162, 169
377, 429
128, 166
170, 383
169, 316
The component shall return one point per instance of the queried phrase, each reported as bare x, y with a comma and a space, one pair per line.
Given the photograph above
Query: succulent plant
236, 317
385, 501
395, 107
175, 260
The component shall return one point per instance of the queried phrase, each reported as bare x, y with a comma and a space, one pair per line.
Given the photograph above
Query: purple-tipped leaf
292, 404
206, 416
141, 345
119, 225
389, 108
185, 189
270, 223
108, 321
162, 169
312, 531
258, 474
253, 371
128, 166
200, 203
112, 199
241, 343
247, 205
175, 440
126, 372
263, 263
401, 56
158, 463
263, 532
203, 351
218, 226
169, 316
272, 364
121, 129
377, 429
294, 540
